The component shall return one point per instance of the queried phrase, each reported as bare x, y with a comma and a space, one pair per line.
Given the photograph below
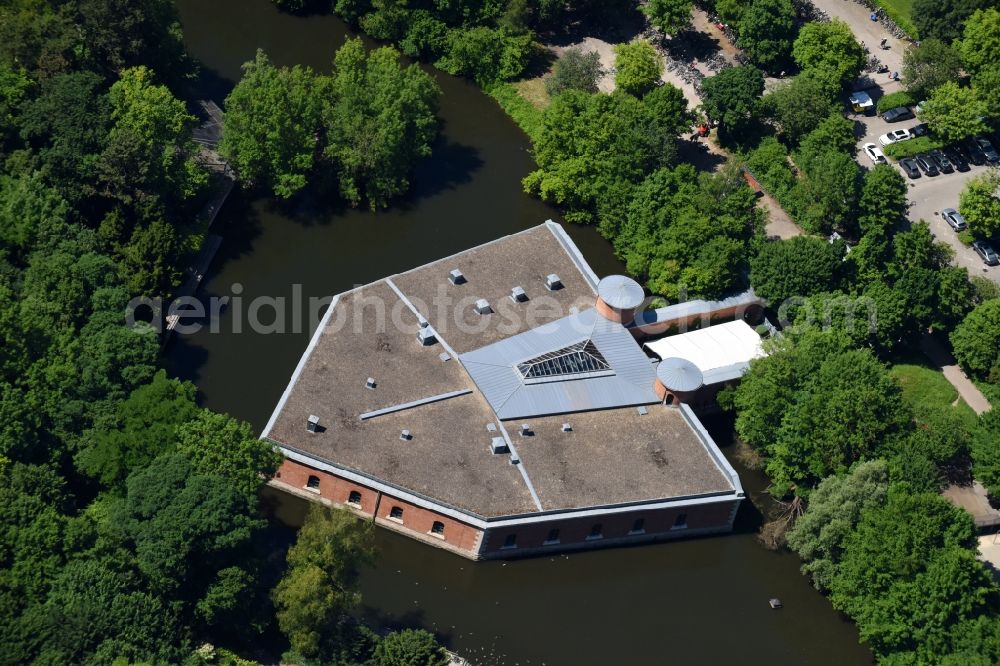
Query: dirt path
940, 357
869, 33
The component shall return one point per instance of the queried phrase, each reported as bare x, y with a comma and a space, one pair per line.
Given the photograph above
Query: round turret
618, 297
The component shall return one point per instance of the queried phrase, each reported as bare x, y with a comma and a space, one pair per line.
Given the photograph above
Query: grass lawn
925, 388
900, 11
533, 90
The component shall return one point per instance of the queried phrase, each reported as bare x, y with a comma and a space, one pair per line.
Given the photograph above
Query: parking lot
928, 195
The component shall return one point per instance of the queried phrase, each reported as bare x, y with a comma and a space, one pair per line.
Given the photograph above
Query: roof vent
514, 459
483, 306
491, 427
642, 410
444, 356
526, 430
423, 322
312, 425
370, 383
406, 435
425, 336
567, 427
498, 445
517, 295
552, 282
456, 277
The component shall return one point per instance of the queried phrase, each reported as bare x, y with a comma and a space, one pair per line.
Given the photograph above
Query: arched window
354, 498
437, 528
313, 482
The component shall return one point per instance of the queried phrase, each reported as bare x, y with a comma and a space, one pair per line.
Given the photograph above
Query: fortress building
499, 403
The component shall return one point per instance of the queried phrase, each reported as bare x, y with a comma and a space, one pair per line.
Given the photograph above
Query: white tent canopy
722, 352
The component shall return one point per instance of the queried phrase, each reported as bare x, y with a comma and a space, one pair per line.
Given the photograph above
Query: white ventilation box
483, 306
456, 277
517, 295
552, 282
498, 445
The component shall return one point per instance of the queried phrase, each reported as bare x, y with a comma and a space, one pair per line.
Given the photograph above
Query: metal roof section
627, 381
620, 292
695, 307
678, 374
721, 352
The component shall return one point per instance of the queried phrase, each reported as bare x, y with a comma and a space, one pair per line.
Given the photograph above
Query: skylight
581, 358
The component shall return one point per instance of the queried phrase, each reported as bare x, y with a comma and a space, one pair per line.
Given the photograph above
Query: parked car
943, 163
897, 114
989, 152
954, 219
919, 130
974, 152
986, 251
957, 158
926, 164
874, 153
894, 136
909, 165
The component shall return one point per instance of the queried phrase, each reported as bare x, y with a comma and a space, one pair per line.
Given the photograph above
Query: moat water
701, 601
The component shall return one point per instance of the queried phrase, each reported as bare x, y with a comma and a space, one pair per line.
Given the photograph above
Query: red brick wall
614, 527
417, 521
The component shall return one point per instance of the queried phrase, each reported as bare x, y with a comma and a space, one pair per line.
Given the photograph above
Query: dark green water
701, 601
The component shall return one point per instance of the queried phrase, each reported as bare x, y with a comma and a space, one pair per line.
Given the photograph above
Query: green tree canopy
318, 588
796, 267
766, 30
576, 70
929, 65
218, 444
829, 48
943, 19
976, 341
979, 204
800, 105
732, 96
486, 55
637, 67
670, 16
953, 112
410, 647
272, 126
834, 510
986, 453
379, 120
844, 413
980, 44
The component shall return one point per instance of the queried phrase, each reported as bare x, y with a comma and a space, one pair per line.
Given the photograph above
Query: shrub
892, 100
912, 147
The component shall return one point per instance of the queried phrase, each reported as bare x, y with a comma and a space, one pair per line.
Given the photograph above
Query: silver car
954, 219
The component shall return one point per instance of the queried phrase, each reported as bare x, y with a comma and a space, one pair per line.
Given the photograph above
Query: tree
986, 453
943, 19
828, 191
829, 48
766, 29
151, 133
143, 427
189, 533
14, 86
27, 205
317, 591
796, 267
638, 67
846, 412
929, 65
953, 112
592, 148
979, 204
882, 204
986, 83
980, 44
670, 16
800, 105
768, 389
976, 341
486, 55
218, 444
834, 510
909, 574
272, 126
379, 120
409, 647
732, 95
576, 70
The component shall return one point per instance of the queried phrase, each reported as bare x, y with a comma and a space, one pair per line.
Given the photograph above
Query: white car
874, 153
894, 136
